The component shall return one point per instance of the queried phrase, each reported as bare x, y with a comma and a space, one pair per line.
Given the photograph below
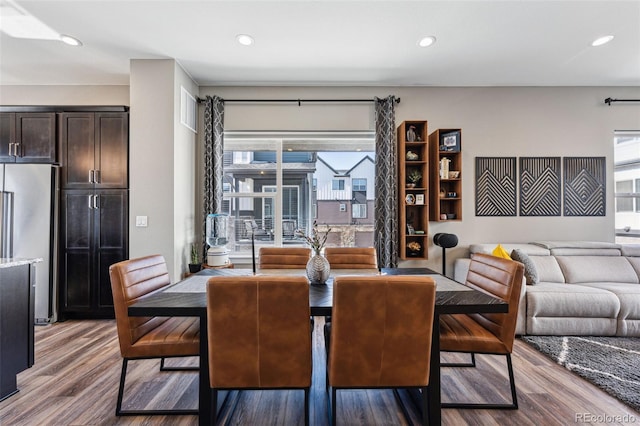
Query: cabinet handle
91, 176
96, 176
95, 202
91, 201
12, 148
15, 149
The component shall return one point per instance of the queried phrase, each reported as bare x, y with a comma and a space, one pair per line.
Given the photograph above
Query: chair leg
472, 363
333, 408
306, 406
121, 412
425, 405
514, 399
163, 368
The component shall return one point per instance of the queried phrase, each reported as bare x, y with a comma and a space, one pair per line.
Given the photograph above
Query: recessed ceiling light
602, 40
244, 39
71, 41
426, 41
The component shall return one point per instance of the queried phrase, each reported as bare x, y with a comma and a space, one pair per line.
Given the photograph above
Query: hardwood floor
75, 382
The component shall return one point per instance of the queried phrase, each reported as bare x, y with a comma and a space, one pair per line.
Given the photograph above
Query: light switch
141, 221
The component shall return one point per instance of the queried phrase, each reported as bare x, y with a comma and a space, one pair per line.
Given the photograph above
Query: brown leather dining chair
351, 257
259, 334
486, 333
284, 257
148, 337
380, 336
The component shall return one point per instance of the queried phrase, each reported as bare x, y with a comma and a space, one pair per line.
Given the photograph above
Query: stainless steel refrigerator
28, 214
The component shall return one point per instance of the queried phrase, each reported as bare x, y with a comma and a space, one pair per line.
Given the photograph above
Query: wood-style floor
75, 382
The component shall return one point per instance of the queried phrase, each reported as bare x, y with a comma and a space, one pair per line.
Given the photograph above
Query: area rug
611, 363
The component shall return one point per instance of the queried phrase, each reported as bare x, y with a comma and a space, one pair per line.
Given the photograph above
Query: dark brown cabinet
94, 235
94, 150
27, 137
94, 209
17, 297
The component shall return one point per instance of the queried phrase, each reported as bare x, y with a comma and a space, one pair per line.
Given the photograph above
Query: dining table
188, 298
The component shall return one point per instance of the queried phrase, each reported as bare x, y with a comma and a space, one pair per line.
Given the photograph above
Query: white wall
184, 178
495, 121
64, 95
152, 125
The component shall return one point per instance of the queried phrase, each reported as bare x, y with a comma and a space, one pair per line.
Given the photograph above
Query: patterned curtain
213, 163
386, 202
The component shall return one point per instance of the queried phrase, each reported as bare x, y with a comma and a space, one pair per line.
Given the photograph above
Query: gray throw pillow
530, 271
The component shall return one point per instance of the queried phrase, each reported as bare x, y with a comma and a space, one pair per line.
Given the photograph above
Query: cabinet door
76, 236
112, 240
7, 135
112, 150
36, 137
77, 149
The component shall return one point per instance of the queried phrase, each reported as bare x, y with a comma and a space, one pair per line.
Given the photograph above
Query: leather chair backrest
351, 257
259, 332
501, 278
131, 280
381, 331
284, 257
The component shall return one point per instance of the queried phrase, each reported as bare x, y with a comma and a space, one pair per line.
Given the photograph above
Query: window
359, 184
627, 186
358, 211
291, 178
624, 202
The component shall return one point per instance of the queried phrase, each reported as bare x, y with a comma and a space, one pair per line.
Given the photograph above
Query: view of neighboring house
312, 190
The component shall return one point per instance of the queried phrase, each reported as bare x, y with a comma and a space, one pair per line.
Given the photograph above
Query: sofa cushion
629, 295
589, 269
635, 263
530, 271
571, 300
631, 250
577, 244
548, 269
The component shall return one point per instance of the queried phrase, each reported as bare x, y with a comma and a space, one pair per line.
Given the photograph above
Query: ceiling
333, 42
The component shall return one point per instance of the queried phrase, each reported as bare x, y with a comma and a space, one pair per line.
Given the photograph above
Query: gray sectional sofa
583, 288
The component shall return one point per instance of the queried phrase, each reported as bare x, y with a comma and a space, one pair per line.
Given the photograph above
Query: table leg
434, 375
204, 393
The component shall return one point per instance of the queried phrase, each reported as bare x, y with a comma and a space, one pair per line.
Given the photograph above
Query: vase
318, 269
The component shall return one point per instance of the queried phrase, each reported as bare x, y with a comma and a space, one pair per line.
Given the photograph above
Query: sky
344, 160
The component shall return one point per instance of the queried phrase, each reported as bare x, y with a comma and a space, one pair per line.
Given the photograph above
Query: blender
217, 238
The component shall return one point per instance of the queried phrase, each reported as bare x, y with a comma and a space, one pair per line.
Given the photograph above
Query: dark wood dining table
188, 298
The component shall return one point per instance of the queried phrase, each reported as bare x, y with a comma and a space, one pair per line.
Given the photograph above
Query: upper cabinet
27, 137
445, 179
413, 193
94, 150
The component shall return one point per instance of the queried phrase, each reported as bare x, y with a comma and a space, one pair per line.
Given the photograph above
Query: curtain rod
298, 101
608, 101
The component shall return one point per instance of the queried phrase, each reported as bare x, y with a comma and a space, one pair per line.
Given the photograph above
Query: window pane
627, 186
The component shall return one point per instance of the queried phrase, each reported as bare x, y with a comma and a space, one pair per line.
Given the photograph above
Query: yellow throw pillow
499, 251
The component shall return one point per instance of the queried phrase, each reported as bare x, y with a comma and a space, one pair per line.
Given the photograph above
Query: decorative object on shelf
195, 265
414, 248
419, 198
414, 177
411, 134
442, 193
410, 229
410, 199
444, 168
443, 216
452, 194
318, 267
412, 156
450, 141
454, 174
451, 216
